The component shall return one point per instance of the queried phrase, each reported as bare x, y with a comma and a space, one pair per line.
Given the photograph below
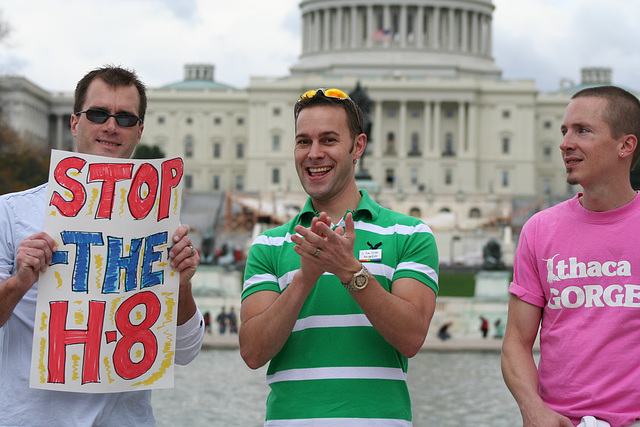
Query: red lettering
140, 205
72, 207
109, 173
60, 337
132, 334
171, 175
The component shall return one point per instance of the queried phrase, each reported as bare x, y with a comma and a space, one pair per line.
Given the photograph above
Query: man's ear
359, 145
74, 122
629, 145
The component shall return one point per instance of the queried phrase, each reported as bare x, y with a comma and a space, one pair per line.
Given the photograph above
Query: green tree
144, 151
21, 165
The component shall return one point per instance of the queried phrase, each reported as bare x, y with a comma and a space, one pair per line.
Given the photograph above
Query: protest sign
107, 305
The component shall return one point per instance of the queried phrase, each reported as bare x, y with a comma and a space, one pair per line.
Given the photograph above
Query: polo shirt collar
366, 208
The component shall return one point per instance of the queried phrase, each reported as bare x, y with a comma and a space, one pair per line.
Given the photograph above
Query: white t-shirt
22, 215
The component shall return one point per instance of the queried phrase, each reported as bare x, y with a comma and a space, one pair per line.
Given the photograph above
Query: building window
506, 114
414, 176
189, 120
239, 182
216, 182
391, 144
449, 113
390, 177
275, 176
505, 145
546, 153
188, 146
546, 186
547, 124
416, 113
240, 150
217, 150
217, 120
448, 145
448, 177
391, 112
276, 111
188, 182
415, 212
474, 213
415, 144
240, 121
505, 178
275, 142
161, 120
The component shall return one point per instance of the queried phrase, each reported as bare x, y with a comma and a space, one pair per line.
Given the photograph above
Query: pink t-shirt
583, 269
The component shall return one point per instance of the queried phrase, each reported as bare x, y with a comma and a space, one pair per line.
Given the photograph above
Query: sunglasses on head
330, 93
100, 116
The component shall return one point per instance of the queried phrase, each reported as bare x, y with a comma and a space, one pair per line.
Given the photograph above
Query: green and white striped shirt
335, 368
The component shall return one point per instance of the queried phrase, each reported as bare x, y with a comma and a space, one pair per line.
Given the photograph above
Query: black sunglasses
100, 116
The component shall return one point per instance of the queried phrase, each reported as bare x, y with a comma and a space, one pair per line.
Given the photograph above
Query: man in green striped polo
340, 297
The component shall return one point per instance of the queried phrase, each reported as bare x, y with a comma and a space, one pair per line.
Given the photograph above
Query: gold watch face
361, 279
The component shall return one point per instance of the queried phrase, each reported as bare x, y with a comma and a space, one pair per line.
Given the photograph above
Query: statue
492, 255
361, 98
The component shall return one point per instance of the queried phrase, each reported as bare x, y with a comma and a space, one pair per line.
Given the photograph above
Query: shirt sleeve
526, 278
189, 339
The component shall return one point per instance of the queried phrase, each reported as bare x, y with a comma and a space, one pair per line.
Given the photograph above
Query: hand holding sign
106, 313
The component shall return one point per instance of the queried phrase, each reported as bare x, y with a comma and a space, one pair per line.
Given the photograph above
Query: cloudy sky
55, 42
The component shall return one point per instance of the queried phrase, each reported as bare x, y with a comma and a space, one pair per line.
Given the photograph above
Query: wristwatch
359, 280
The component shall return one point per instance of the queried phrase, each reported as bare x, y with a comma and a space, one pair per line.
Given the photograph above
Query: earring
355, 161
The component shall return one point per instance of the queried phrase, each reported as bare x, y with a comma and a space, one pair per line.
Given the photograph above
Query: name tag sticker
370, 255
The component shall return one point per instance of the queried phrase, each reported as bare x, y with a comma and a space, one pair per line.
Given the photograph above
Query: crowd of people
338, 300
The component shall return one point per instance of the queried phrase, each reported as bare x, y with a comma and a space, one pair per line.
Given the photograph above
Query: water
453, 389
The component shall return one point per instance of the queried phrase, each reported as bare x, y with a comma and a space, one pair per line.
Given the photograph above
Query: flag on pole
381, 35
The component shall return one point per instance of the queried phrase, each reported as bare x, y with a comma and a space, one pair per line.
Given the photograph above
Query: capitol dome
397, 38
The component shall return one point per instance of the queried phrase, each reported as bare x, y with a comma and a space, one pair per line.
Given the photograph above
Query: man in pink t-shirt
577, 278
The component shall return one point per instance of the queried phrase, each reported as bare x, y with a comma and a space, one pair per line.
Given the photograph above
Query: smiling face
325, 151
590, 153
107, 139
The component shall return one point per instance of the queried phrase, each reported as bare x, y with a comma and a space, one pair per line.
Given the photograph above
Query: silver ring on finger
317, 252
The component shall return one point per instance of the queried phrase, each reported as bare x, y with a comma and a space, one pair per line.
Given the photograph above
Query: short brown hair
114, 76
355, 118
623, 114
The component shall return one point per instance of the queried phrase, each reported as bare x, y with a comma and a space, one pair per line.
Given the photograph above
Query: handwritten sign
107, 306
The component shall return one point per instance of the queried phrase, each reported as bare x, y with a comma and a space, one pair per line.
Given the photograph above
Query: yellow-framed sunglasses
330, 93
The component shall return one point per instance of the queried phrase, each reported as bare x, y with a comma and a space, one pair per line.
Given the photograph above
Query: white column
354, 27
402, 131
378, 141
337, 29
464, 23
305, 31
462, 125
326, 18
386, 21
475, 38
428, 138
59, 127
436, 140
418, 27
452, 29
489, 50
370, 25
403, 25
472, 127
435, 29
317, 31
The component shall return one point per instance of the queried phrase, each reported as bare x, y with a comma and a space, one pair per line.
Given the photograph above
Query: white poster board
107, 306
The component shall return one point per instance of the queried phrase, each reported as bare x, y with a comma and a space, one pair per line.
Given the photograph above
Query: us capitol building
472, 154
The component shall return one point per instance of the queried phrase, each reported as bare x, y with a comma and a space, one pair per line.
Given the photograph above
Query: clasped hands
323, 249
